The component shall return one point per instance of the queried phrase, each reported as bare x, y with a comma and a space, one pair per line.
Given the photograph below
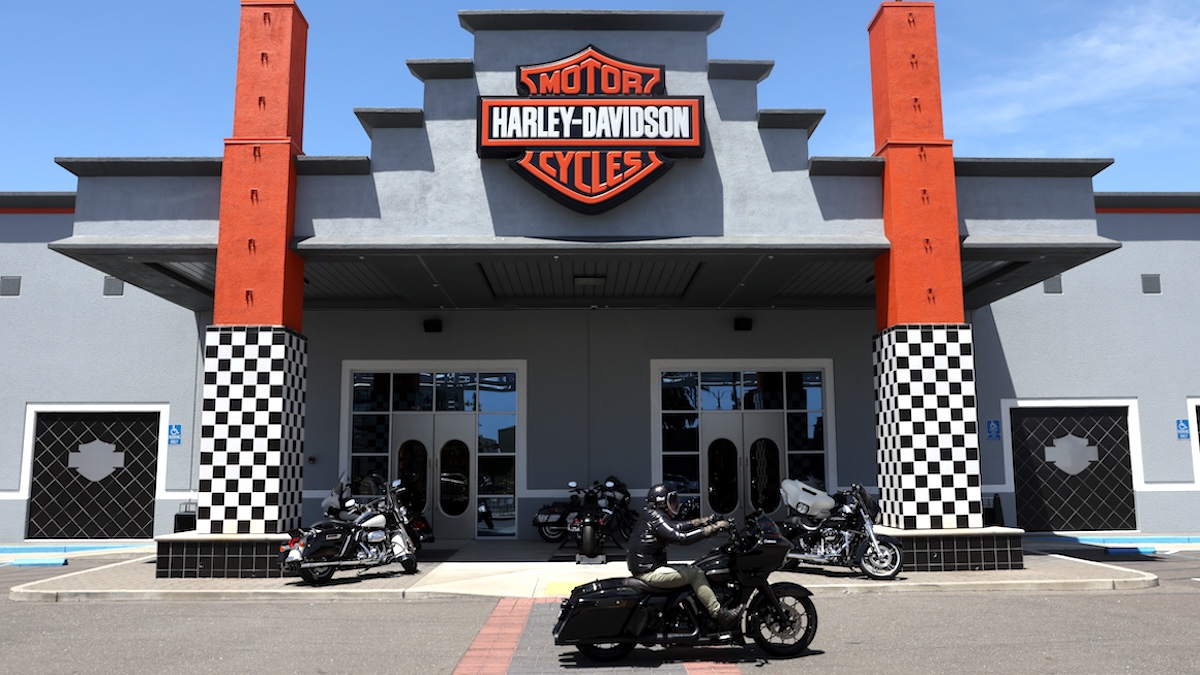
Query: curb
1122, 579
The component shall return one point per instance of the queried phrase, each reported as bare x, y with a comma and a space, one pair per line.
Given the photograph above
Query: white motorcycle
837, 529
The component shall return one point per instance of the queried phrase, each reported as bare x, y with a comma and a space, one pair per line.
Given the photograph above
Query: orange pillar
919, 281
260, 281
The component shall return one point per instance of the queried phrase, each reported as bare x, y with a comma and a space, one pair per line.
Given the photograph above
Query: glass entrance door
454, 471
741, 461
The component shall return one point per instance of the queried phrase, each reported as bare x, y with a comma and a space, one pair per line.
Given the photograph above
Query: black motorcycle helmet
663, 498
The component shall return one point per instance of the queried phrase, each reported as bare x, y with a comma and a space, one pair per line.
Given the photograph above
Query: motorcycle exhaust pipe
814, 559
338, 563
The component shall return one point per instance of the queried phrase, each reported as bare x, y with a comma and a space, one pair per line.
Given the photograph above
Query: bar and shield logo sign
591, 130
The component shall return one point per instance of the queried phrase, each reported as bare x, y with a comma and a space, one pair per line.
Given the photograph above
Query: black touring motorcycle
357, 536
606, 619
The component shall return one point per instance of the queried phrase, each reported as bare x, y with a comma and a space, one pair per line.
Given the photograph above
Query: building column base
959, 550
195, 555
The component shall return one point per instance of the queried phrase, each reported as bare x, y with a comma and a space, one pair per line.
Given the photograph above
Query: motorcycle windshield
869, 505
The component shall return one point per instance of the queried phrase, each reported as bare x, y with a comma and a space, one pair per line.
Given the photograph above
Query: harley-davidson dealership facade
590, 253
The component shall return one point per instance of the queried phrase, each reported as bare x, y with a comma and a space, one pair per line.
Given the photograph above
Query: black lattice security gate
1072, 469
93, 475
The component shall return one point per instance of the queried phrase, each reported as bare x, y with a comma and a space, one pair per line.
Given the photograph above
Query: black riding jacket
651, 534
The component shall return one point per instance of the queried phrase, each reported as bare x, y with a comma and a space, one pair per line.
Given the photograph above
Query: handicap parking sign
1182, 430
174, 434
993, 430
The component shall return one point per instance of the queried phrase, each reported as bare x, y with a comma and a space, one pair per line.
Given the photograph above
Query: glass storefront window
498, 392
806, 431
762, 391
680, 433
412, 391
369, 434
788, 406
720, 391
497, 433
412, 466
681, 473
679, 391
454, 492
804, 391
408, 401
371, 391
456, 392
363, 473
722, 475
808, 467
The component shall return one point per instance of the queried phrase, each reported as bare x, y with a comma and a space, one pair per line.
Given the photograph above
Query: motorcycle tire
552, 534
409, 563
610, 651
589, 541
881, 567
317, 575
781, 641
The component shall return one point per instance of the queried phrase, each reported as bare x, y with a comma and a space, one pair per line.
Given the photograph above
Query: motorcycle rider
647, 558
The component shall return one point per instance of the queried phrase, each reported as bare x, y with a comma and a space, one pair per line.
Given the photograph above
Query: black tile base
220, 556
975, 550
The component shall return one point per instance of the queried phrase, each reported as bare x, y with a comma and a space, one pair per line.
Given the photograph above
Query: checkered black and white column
252, 430
926, 426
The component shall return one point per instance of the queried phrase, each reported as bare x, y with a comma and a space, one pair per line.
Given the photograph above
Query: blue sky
1020, 78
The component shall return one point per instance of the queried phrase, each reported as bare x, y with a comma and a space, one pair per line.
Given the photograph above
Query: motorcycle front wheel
589, 544
610, 651
774, 637
317, 575
883, 565
552, 533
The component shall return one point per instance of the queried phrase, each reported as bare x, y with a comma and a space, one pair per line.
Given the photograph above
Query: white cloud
1138, 65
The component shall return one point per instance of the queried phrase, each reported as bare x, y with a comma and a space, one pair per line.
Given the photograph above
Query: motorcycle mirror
349, 503
397, 483
572, 484
609, 484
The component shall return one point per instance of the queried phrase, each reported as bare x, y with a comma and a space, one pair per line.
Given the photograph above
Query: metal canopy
454, 278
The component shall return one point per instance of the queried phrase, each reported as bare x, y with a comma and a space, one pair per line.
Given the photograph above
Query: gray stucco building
490, 308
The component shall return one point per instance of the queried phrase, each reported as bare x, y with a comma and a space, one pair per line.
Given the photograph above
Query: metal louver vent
565, 280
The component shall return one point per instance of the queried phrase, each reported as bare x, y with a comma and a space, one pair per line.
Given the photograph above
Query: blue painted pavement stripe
39, 562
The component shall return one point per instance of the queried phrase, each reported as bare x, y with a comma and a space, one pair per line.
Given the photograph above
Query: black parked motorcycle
356, 536
551, 520
606, 619
603, 515
837, 530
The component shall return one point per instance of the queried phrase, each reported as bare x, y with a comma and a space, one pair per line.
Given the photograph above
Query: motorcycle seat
639, 585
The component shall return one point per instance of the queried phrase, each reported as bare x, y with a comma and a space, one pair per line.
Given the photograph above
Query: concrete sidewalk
504, 569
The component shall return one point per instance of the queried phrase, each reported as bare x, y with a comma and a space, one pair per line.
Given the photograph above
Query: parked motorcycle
837, 530
555, 521
356, 536
604, 514
605, 619
551, 520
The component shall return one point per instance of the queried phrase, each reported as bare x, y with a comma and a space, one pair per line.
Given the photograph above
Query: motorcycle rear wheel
882, 567
317, 575
589, 544
552, 533
606, 651
778, 640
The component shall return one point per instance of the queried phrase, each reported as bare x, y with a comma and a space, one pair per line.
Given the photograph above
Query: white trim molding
1135, 438
164, 420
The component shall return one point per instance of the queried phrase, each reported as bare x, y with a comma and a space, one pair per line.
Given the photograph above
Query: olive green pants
674, 576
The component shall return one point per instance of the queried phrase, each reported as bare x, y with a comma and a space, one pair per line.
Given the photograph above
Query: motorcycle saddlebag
602, 609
